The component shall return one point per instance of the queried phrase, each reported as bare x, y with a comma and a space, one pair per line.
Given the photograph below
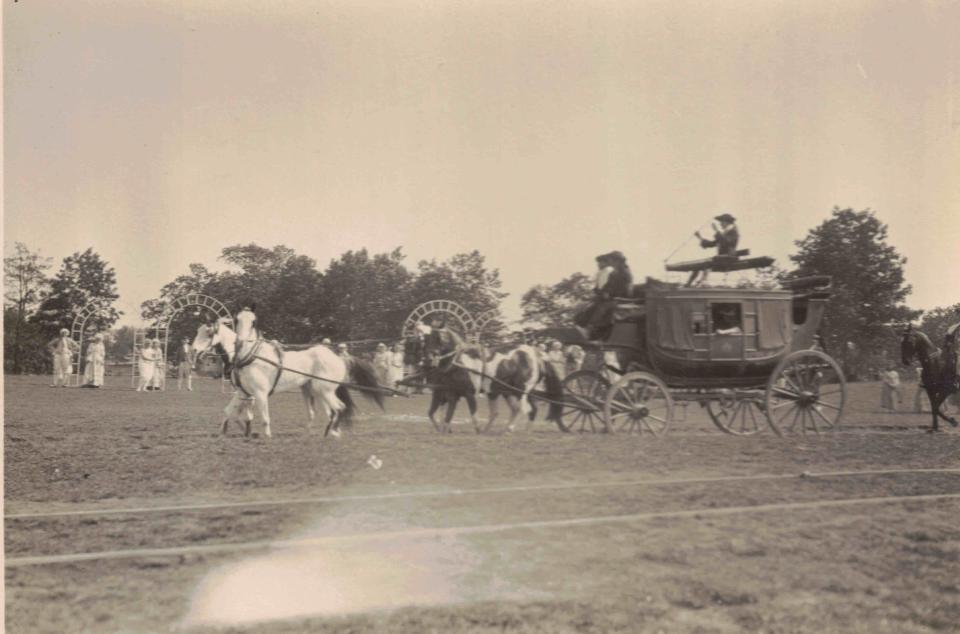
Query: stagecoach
748, 355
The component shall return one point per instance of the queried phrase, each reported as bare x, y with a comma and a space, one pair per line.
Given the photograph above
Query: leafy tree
365, 297
25, 281
119, 344
868, 280
547, 306
935, 322
83, 278
463, 279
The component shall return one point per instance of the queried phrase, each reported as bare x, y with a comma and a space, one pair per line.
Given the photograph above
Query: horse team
452, 369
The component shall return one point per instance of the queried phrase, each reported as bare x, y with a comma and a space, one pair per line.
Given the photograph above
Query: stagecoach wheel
740, 417
638, 402
584, 391
805, 393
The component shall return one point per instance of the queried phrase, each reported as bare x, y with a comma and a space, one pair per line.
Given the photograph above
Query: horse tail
554, 388
346, 415
362, 373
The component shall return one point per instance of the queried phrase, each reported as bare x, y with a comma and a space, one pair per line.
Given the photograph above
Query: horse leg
264, 408
434, 405
309, 403
245, 415
514, 410
532, 415
940, 414
494, 411
451, 409
472, 404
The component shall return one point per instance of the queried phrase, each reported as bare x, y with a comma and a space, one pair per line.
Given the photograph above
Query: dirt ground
555, 553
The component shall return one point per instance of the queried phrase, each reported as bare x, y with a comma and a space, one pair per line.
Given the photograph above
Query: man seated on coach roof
725, 239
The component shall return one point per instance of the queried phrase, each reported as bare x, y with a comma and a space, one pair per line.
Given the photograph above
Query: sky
539, 133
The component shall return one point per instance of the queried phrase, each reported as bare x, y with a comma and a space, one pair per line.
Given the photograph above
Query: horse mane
924, 339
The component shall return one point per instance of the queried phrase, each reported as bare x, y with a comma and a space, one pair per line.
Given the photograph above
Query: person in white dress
160, 367
62, 349
186, 359
381, 364
396, 367
148, 364
95, 358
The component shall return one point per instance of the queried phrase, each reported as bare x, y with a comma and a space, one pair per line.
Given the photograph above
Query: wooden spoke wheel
584, 391
738, 416
638, 402
805, 393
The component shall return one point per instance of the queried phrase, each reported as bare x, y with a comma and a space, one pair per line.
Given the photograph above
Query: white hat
342, 346
64, 331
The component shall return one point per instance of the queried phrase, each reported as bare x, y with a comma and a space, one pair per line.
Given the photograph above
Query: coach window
727, 319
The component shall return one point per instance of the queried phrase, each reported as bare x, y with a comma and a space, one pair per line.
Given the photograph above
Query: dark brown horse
452, 372
939, 376
455, 369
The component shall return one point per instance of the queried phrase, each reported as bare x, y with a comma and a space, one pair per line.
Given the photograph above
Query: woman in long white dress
160, 367
147, 363
381, 364
396, 366
96, 355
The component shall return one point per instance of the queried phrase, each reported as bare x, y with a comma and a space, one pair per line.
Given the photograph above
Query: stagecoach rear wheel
737, 416
584, 391
805, 393
638, 402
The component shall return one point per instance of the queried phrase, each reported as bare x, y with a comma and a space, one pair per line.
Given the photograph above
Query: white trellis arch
77, 331
481, 322
161, 327
445, 307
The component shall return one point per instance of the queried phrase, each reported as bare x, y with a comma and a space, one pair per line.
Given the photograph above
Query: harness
252, 356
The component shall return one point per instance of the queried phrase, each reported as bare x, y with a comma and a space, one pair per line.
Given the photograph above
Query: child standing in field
890, 389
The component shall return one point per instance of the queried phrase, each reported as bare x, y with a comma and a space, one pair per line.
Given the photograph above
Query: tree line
365, 296
357, 296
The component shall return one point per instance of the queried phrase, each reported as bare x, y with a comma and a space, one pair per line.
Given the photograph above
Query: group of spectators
63, 349
891, 392
564, 359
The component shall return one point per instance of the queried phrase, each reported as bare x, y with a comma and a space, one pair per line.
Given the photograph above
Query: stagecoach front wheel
806, 392
738, 416
638, 402
583, 393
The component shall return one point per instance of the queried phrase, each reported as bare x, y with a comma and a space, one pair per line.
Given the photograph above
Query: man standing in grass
62, 349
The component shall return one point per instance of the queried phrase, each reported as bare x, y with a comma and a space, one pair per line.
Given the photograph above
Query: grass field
537, 531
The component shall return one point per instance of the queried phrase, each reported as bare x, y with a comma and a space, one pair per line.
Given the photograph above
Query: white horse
260, 368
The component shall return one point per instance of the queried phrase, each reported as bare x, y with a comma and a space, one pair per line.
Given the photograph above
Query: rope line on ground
463, 492
455, 531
